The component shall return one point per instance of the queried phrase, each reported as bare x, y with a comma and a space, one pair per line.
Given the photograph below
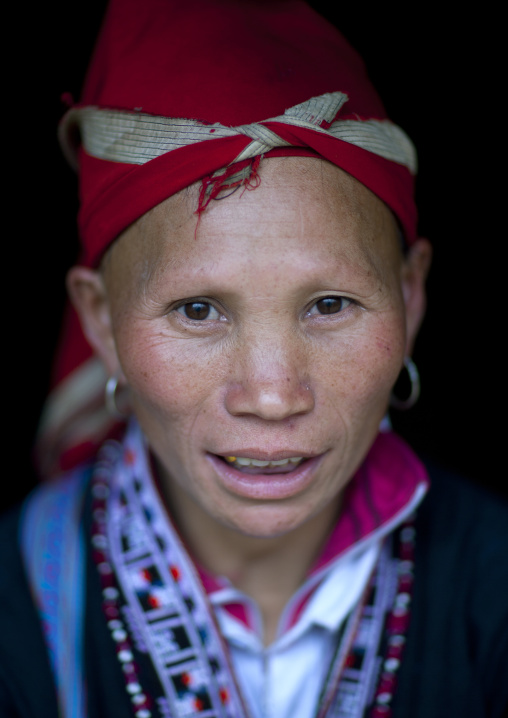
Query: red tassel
212, 186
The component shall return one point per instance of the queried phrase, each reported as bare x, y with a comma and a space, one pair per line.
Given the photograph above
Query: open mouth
265, 479
256, 466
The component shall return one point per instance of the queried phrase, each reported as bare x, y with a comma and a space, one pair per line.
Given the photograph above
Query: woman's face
273, 332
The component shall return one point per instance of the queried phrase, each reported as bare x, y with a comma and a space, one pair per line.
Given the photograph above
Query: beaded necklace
185, 645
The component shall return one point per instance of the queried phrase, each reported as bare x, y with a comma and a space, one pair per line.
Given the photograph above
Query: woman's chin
265, 521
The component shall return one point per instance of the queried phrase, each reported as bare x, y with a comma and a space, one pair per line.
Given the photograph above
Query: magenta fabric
382, 487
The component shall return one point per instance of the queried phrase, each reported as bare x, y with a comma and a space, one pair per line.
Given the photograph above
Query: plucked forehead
303, 207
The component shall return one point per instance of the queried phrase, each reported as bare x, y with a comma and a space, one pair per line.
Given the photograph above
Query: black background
440, 80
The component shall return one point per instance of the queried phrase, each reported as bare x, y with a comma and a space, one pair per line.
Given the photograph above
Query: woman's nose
270, 382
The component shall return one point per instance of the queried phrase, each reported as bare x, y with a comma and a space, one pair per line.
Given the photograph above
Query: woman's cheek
364, 363
169, 375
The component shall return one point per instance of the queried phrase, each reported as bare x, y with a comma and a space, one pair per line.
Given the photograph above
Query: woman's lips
267, 470
268, 484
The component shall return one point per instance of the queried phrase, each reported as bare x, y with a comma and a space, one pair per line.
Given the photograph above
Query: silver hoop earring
110, 398
414, 378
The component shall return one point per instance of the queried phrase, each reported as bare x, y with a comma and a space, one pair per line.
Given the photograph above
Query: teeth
243, 461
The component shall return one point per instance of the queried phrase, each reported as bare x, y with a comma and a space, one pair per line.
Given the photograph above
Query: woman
252, 284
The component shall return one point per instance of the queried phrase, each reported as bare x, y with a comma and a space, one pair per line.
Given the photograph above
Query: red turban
231, 64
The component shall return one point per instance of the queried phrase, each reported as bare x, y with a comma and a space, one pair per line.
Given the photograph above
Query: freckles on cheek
166, 378
384, 348
366, 372
159, 393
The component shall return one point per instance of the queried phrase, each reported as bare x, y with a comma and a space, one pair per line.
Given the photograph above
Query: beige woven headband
136, 138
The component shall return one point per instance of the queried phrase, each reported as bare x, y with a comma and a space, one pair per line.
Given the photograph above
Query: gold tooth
231, 459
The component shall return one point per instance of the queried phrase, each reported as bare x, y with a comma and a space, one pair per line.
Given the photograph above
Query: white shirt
284, 680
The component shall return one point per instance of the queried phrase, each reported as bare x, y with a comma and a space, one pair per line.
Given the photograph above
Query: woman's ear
415, 269
89, 297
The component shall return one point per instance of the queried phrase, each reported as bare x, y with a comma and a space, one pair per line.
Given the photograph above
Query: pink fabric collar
381, 488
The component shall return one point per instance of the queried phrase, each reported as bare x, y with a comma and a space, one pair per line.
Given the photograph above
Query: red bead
175, 572
129, 457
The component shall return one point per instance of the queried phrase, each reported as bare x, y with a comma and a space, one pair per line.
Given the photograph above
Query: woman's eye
198, 311
330, 305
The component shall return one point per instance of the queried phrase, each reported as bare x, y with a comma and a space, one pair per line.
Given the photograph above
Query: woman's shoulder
460, 507
26, 525
26, 684
457, 651
45, 497
463, 538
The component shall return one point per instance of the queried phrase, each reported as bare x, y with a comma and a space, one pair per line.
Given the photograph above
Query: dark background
438, 76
